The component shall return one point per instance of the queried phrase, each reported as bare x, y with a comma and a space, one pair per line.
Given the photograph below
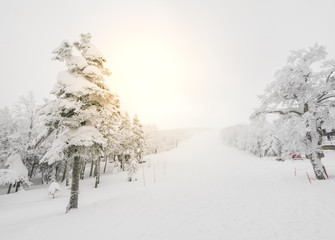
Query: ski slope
201, 190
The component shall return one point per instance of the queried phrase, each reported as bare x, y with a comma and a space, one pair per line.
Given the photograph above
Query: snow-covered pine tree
83, 101
26, 115
126, 139
300, 88
18, 128
95, 71
138, 138
133, 168
110, 131
48, 125
15, 173
7, 130
151, 139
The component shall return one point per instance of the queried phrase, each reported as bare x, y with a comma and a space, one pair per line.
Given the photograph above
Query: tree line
296, 108
82, 126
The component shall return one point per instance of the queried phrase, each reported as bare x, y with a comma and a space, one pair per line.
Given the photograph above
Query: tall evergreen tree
125, 136
83, 102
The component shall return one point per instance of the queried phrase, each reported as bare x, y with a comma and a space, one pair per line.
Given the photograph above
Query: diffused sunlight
147, 74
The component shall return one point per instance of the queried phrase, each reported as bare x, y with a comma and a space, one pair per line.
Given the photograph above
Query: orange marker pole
309, 178
324, 168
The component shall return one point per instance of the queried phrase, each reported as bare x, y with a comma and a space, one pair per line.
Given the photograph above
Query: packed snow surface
201, 190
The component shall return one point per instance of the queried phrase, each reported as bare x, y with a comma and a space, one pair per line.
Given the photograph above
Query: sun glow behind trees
227, 50
149, 74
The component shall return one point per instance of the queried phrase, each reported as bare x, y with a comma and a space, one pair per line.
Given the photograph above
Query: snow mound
53, 189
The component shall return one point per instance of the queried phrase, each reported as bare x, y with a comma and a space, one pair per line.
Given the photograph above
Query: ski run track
200, 190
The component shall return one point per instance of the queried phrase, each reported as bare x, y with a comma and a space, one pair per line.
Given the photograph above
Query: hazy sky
174, 63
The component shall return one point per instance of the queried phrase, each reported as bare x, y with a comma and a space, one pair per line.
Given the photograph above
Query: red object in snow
324, 168
296, 156
67, 208
309, 178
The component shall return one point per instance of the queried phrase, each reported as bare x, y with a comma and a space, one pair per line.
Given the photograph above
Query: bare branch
325, 97
44, 135
329, 76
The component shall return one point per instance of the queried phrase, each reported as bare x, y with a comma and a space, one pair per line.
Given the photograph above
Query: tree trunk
91, 170
58, 168
123, 161
75, 183
32, 170
18, 184
82, 174
97, 168
64, 172
314, 146
53, 173
317, 166
42, 176
67, 174
9, 188
106, 159
48, 174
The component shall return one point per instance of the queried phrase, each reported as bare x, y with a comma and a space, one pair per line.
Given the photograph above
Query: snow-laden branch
40, 138
283, 111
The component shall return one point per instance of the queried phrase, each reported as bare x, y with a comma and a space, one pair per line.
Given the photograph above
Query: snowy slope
208, 191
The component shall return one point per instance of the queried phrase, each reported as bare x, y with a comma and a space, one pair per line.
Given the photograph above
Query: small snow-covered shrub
53, 189
132, 169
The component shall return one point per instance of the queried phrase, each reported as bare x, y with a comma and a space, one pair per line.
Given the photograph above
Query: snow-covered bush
138, 138
16, 173
53, 189
303, 95
132, 169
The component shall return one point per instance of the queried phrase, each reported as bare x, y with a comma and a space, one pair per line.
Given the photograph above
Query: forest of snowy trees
81, 126
296, 109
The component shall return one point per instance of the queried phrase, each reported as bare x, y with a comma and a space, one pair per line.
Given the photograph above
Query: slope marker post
309, 178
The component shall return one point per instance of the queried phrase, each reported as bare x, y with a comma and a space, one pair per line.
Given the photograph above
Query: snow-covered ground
208, 191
